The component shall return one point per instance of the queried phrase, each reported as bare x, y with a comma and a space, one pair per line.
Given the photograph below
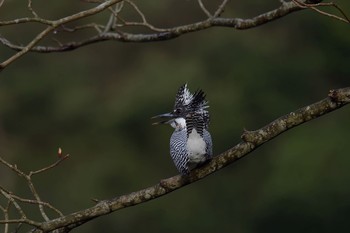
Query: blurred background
96, 103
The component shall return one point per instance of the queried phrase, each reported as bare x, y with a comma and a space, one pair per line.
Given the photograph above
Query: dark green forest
96, 102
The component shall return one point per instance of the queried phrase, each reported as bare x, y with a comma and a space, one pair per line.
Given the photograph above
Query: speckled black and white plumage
191, 143
178, 150
180, 154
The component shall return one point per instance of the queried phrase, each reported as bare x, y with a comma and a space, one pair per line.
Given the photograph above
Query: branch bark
251, 140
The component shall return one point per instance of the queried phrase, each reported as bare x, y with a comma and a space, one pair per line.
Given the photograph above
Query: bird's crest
198, 117
198, 102
193, 106
183, 97
194, 101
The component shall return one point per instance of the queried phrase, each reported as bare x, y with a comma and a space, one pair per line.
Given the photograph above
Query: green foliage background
96, 103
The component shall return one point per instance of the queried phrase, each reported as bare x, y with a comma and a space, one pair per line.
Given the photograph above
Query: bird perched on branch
191, 143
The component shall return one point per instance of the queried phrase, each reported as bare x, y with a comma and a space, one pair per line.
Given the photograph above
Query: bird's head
185, 105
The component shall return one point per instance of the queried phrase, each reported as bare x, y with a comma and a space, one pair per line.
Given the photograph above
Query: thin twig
13, 201
20, 220
12, 167
49, 167
143, 22
204, 9
5, 210
314, 7
97, 27
29, 201
33, 189
26, 20
26, 48
30, 8
54, 25
37, 200
220, 9
113, 17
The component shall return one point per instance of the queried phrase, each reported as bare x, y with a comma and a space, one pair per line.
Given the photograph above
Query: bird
190, 143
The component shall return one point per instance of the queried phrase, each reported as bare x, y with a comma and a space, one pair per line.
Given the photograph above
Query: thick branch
111, 29
251, 140
169, 33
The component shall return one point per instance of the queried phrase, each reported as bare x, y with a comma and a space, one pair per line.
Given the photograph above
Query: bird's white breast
196, 147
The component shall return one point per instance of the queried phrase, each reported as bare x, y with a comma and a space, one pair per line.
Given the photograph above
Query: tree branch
314, 6
16, 201
55, 24
111, 31
251, 140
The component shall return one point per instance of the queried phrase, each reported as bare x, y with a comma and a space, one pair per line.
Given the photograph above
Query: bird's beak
167, 118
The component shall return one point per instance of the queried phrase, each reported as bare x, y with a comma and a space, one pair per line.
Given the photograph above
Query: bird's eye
178, 110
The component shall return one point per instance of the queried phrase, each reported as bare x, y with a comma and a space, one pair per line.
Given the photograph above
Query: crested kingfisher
190, 144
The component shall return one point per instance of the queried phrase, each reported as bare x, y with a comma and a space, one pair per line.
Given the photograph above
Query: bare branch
5, 211
204, 9
16, 200
26, 221
143, 22
12, 167
9, 197
221, 8
109, 31
55, 24
167, 33
29, 201
31, 9
49, 167
25, 49
26, 20
111, 22
97, 27
314, 7
37, 198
